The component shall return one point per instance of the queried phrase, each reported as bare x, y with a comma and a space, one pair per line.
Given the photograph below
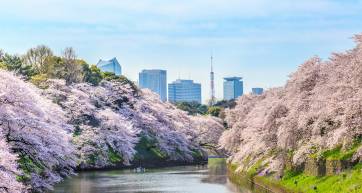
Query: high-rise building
184, 91
257, 91
233, 87
111, 65
155, 80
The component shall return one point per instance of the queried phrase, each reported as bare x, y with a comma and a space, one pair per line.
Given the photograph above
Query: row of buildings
179, 90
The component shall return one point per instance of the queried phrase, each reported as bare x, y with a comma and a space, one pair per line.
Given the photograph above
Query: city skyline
156, 81
257, 40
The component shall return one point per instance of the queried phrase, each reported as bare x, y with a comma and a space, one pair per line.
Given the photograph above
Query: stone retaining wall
322, 167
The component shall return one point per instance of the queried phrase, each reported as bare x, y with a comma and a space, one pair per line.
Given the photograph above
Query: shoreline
254, 183
148, 165
300, 182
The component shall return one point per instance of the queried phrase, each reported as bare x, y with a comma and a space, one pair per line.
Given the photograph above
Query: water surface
184, 179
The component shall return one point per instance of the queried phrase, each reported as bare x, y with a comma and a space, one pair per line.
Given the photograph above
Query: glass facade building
110, 66
257, 91
155, 80
233, 87
184, 91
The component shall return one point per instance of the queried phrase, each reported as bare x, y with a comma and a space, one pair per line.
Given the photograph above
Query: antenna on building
212, 83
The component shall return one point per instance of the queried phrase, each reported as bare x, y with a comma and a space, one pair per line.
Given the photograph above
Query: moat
182, 179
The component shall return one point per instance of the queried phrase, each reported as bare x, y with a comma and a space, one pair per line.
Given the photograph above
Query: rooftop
106, 62
233, 78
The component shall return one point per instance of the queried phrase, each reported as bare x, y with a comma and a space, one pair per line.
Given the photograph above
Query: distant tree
214, 111
109, 76
2, 65
92, 74
192, 108
15, 63
56, 69
39, 58
226, 103
40, 80
72, 70
202, 109
2, 54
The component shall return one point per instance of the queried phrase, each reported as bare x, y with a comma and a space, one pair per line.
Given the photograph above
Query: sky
262, 41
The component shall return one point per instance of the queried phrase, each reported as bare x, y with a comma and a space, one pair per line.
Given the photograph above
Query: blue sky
260, 40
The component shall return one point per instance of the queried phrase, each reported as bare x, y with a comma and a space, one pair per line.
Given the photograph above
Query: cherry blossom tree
208, 130
48, 132
35, 130
9, 170
319, 108
113, 117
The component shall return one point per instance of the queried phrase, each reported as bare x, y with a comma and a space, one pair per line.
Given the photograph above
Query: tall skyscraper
233, 87
184, 91
257, 91
111, 65
155, 80
212, 84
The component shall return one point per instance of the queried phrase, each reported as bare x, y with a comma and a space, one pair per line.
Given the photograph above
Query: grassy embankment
335, 178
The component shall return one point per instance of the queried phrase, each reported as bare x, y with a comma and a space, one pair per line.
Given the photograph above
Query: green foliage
288, 174
226, 104
338, 153
77, 131
3, 66
197, 154
55, 68
333, 154
39, 64
214, 111
39, 80
92, 75
216, 162
92, 159
110, 76
147, 150
349, 181
15, 63
12, 62
113, 156
125, 80
28, 166
255, 168
358, 166
192, 108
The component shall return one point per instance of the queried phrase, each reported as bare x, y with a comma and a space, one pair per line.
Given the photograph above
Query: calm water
185, 179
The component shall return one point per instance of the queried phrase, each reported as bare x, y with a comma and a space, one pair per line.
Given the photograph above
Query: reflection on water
185, 179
